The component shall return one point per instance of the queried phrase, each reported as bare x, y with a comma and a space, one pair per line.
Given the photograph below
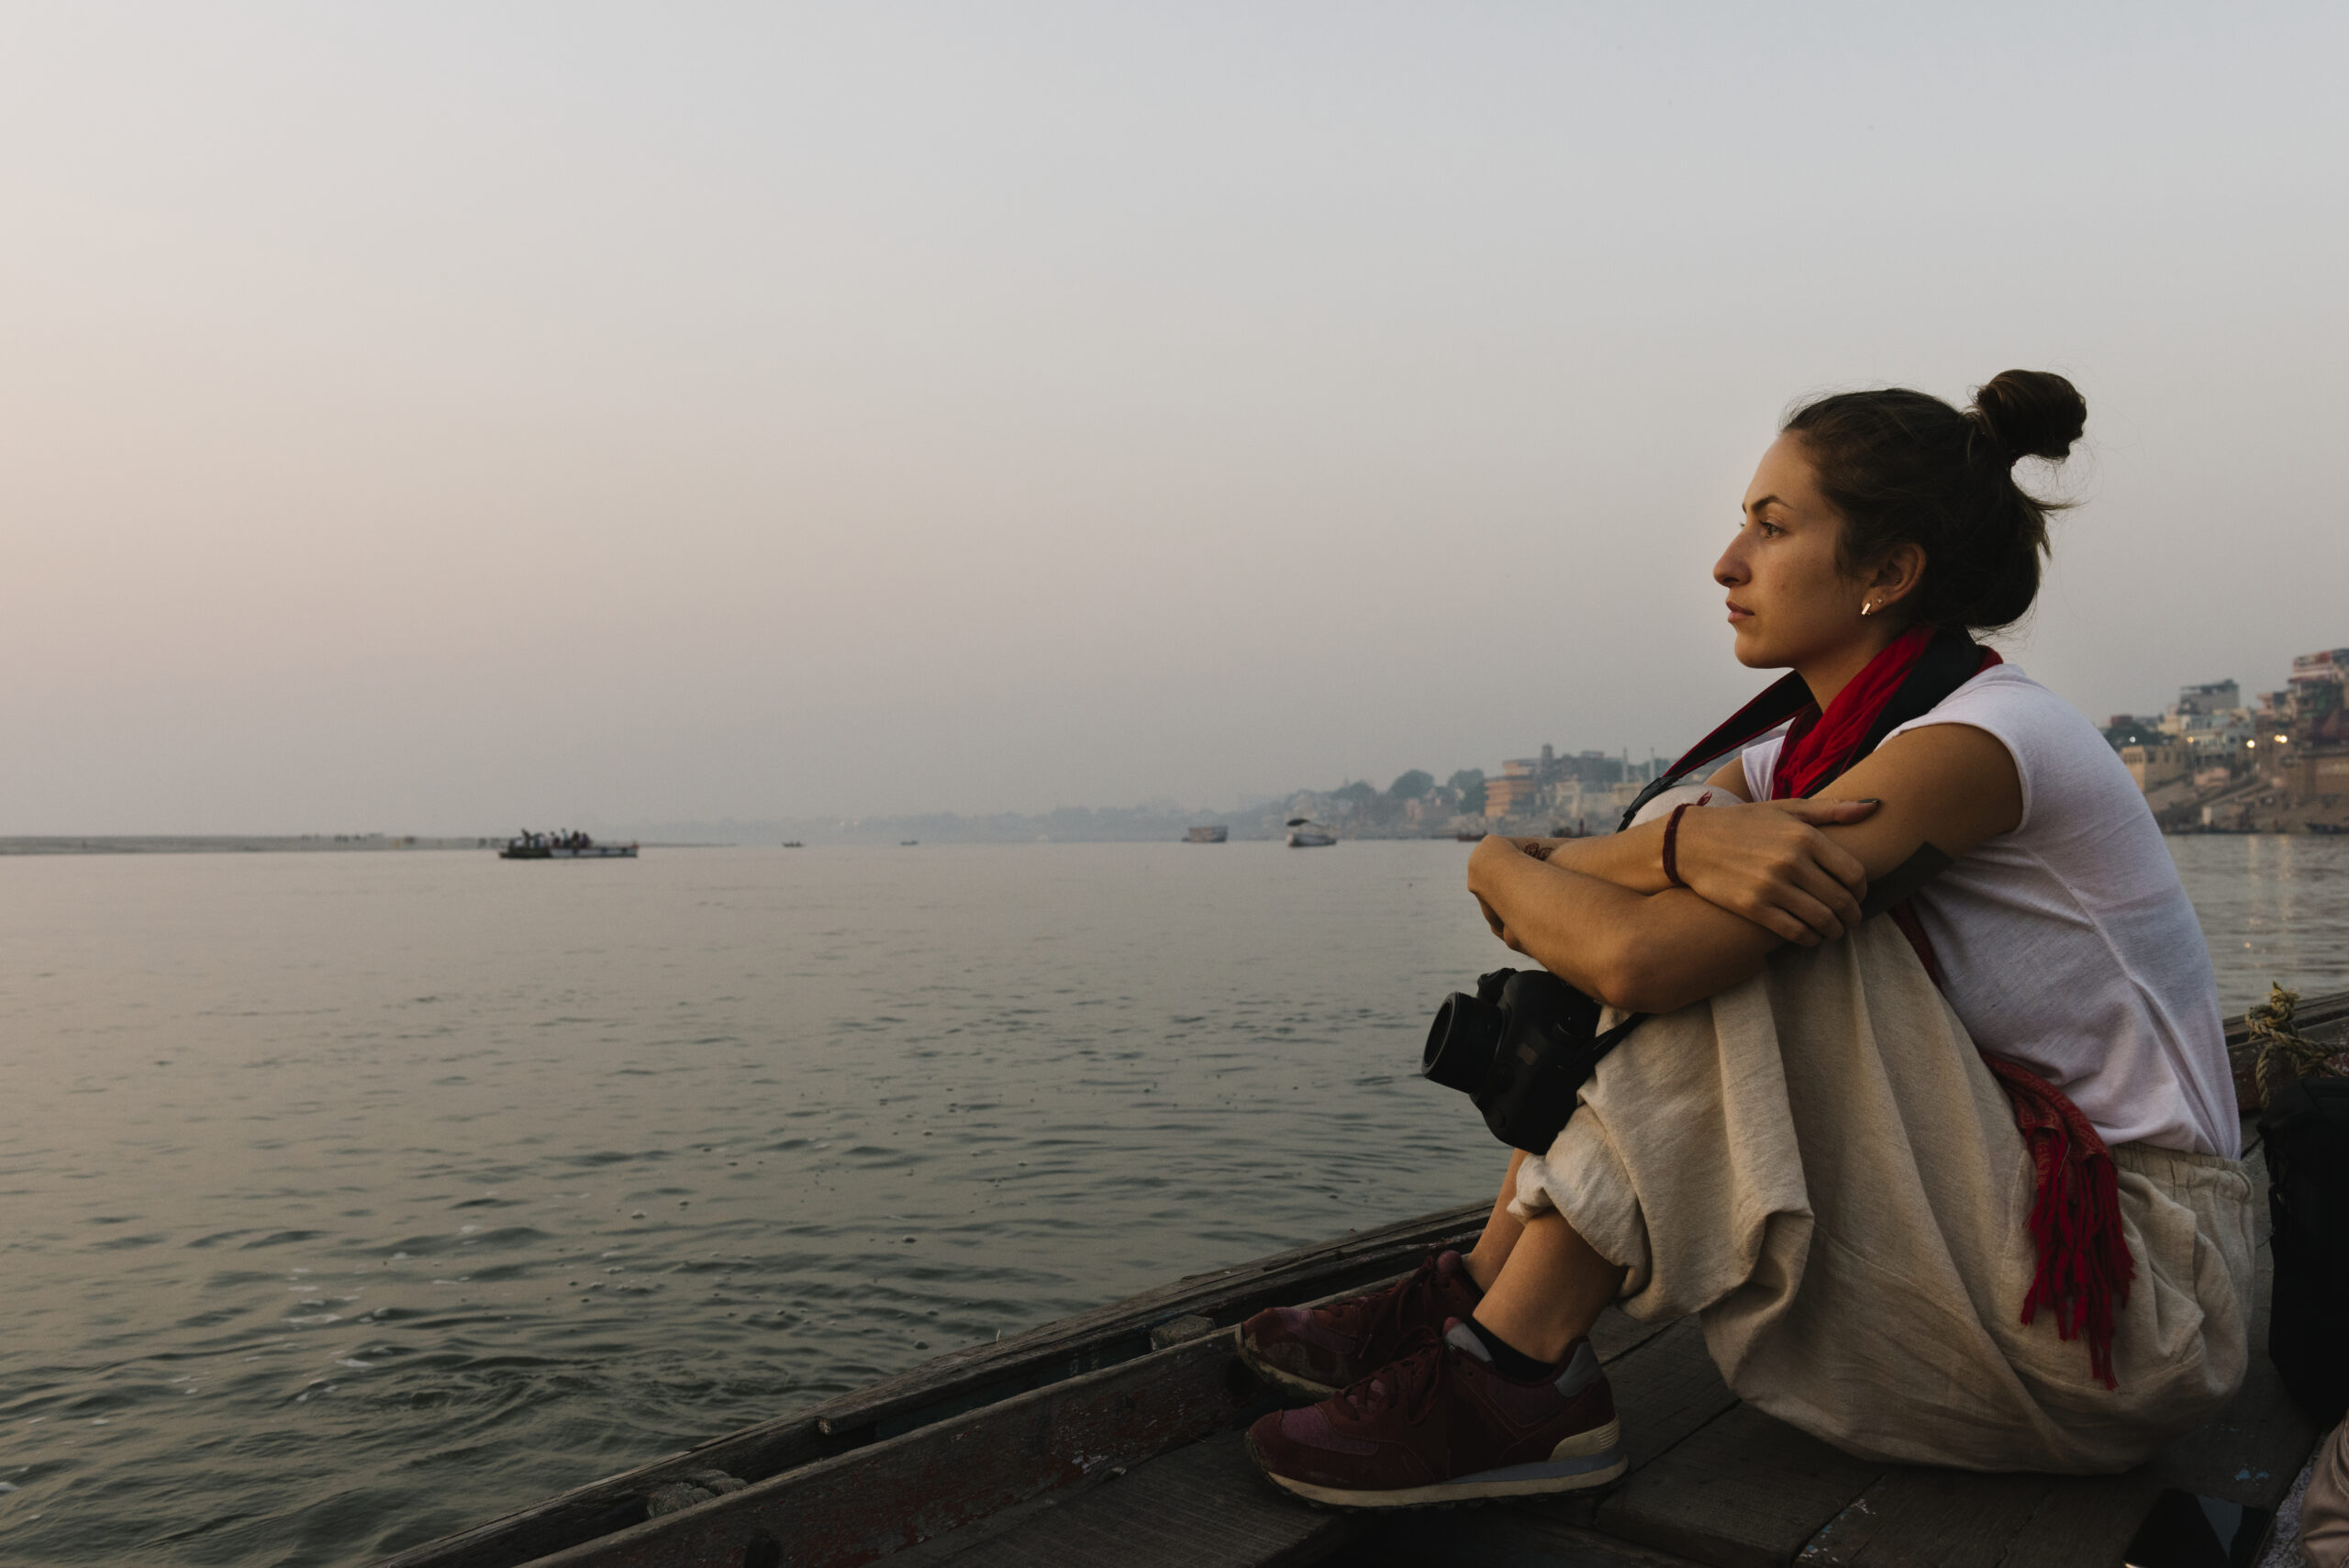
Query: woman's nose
1729, 571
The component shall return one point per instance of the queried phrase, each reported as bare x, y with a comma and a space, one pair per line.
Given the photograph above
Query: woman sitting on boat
1956, 1187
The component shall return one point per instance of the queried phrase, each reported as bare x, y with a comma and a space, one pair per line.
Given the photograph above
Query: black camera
1521, 1049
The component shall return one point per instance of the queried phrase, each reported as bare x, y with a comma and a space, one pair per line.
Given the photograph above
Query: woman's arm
1769, 863
1634, 858
1951, 785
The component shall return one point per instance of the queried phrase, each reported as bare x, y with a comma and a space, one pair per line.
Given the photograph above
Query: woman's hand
1500, 926
1493, 852
1769, 862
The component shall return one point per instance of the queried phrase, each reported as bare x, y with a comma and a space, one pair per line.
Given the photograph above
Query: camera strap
1947, 662
1781, 701
1601, 1044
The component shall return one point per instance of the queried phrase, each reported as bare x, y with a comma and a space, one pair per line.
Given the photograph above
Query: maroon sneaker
1316, 1351
1441, 1425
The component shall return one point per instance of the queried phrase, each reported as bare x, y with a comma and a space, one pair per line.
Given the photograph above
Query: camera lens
1461, 1042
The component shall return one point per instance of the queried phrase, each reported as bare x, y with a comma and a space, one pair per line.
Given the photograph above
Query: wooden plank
2085, 1521
1744, 1491
1615, 1336
1201, 1506
586, 1513
940, 1550
1921, 1517
1498, 1537
895, 1493
955, 1384
1666, 1392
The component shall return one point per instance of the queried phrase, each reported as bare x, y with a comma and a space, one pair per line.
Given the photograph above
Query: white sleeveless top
2068, 942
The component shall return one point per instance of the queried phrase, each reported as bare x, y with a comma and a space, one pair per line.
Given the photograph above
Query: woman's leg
1549, 1290
1492, 1249
1544, 1285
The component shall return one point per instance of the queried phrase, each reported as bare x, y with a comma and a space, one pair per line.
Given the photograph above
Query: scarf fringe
2084, 1268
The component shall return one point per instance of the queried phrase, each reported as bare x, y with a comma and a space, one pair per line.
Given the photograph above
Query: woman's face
1789, 602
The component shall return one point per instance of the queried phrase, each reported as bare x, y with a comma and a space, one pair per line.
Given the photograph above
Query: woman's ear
1897, 576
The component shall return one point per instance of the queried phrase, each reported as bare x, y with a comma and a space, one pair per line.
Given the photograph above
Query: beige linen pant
1817, 1163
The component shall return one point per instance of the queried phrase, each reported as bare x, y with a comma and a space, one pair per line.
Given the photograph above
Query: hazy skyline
432, 418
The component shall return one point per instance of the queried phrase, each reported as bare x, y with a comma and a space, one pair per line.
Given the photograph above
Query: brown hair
1906, 468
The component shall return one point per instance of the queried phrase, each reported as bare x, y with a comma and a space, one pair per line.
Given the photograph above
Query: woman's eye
1769, 530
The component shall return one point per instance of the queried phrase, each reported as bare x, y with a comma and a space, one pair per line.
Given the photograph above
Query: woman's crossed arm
1951, 785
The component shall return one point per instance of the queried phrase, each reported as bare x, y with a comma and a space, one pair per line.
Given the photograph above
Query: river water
352, 1199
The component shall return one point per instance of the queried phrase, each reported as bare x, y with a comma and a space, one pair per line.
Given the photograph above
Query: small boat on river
1113, 1439
1304, 833
1216, 835
528, 846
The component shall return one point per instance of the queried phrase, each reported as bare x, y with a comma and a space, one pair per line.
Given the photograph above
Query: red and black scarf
2084, 1262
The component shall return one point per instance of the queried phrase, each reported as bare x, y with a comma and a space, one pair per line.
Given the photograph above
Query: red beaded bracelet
1671, 844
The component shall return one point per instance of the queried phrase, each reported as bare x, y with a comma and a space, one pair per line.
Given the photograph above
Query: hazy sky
434, 418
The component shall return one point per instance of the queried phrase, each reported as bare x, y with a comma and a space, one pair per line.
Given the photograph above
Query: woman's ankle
1509, 1361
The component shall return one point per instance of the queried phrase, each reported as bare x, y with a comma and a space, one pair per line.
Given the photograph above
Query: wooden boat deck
1111, 1440
1712, 1481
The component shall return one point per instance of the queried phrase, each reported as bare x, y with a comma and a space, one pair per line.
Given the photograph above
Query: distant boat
1207, 835
908, 843
793, 844
1304, 833
528, 846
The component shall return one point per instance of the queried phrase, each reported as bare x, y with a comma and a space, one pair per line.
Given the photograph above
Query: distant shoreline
229, 844
226, 843
256, 843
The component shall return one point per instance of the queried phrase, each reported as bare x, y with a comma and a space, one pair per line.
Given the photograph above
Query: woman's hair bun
2030, 413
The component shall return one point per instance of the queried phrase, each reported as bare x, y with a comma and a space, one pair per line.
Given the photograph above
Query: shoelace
1386, 1310
1407, 1383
